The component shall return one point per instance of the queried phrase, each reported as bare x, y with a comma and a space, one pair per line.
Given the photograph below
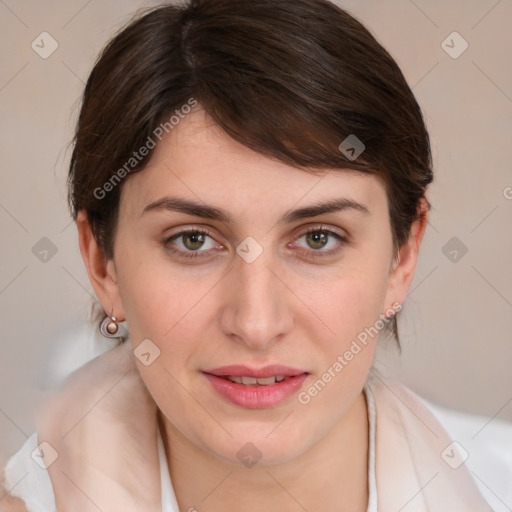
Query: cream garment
406, 466
418, 468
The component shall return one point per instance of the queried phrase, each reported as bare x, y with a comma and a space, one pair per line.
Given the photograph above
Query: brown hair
290, 80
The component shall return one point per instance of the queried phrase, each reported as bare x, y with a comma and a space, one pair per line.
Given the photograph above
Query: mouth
269, 387
254, 381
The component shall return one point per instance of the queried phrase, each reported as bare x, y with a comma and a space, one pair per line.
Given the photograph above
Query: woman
249, 185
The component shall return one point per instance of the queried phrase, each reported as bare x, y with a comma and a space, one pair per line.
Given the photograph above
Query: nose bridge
257, 310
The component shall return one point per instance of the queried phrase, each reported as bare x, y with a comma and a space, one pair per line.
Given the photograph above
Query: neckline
372, 479
169, 502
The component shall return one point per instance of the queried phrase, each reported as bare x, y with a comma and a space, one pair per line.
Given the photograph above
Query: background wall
455, 327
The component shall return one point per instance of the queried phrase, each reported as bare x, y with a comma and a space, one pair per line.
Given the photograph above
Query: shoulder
7, 502
25, 484
11, 504
412, 449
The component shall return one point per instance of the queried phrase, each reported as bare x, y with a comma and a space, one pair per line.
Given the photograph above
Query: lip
237, 370
257, 396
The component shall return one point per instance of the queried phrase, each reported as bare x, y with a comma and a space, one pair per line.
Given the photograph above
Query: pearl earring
109, 327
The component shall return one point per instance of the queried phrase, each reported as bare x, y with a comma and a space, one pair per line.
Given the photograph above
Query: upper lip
237, 370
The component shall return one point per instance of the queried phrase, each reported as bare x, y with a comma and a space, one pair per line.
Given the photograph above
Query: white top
28, 481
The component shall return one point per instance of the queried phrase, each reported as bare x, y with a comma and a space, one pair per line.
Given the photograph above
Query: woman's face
256, 290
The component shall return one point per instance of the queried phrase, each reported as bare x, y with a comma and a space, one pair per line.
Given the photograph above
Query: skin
285, 307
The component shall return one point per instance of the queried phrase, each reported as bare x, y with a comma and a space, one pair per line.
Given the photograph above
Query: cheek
156, 294
349, 304
345, 338
345, 302
173, 308
159, 306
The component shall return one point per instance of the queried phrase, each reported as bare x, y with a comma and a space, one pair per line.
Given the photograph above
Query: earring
109, 327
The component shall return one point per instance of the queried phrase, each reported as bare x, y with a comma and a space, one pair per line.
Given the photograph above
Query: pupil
317, 237
197, 240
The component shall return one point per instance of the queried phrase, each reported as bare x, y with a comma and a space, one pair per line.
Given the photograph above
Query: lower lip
257, 397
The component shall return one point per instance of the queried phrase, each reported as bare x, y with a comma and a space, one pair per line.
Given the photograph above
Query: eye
321, 241
191, 243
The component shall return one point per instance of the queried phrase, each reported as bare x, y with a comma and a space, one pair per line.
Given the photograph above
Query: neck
331, 475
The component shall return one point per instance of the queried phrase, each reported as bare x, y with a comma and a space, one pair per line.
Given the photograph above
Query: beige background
456, 327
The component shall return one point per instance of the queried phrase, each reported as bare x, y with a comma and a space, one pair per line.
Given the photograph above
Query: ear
102, 272
402, 271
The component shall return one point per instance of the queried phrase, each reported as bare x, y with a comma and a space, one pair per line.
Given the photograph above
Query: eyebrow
175, 204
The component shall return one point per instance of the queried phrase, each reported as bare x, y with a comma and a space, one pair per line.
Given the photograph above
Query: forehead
199, 161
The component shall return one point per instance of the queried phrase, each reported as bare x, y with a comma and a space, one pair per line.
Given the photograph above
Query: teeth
253, 381
235, 379
263, 381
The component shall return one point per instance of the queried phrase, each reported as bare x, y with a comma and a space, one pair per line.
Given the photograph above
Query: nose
257, 308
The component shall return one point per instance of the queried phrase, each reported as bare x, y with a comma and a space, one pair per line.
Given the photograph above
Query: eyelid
189, 254
342, 239
313, 228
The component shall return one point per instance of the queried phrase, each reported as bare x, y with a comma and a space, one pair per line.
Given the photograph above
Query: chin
258, 448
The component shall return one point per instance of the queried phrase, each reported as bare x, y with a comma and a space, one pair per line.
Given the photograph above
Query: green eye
190, 243
322, 241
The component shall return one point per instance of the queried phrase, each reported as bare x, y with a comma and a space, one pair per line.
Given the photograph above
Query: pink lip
256, 397
237, 370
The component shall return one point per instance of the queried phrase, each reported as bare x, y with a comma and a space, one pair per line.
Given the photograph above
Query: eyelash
200, 254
